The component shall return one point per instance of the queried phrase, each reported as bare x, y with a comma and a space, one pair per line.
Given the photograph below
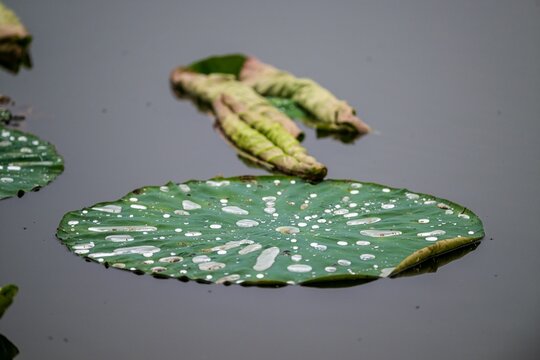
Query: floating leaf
7, 293
304, 98
292, 110
329, 112
269, 230
26, 163
7, 349
255, 128
14, 41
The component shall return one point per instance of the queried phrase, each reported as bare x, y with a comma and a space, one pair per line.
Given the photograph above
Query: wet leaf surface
269, 230
27, 163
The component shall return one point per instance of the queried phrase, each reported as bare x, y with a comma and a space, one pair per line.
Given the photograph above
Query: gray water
452, 88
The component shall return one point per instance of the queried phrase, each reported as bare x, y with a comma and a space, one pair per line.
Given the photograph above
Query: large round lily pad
26, 163
269, 230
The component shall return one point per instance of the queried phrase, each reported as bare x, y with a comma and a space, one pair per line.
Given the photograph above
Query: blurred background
451, 88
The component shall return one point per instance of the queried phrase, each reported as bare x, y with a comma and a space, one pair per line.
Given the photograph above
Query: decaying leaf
14, 41
258, 130
329, 112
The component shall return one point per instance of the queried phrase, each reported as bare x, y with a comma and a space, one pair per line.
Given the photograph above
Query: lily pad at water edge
7, 293
26, 163
269, 230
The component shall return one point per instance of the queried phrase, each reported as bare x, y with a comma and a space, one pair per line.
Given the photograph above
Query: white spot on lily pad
299, 268
318, 246
119, 238
140, 250
363, 221
234, 210
184, 188
113, 209
432, 233
122, 228
266, 259
190, 205
386, 272
247, 223
85, 246
200, 259
211, 266
138, 207
171, 259
218, 183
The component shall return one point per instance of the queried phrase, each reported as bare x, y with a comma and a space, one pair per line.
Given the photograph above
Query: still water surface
452, 89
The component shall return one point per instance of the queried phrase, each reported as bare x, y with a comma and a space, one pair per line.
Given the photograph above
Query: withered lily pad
26, 162
269, 230
14, 41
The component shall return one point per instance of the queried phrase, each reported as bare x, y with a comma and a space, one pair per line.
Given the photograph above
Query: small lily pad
26, 163
8, 350
269, 230
7, 293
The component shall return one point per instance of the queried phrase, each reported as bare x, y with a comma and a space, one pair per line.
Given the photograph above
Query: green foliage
7, 293
269, 230
26, 163
226, 64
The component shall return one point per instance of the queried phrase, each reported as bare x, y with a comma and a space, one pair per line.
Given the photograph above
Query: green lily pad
26, 163
269, 230
226, 64
7, 293
8, 350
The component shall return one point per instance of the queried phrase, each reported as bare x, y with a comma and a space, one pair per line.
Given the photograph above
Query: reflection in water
7, 349
434, 263
7, 117
15, 55
346, 137
429, 265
